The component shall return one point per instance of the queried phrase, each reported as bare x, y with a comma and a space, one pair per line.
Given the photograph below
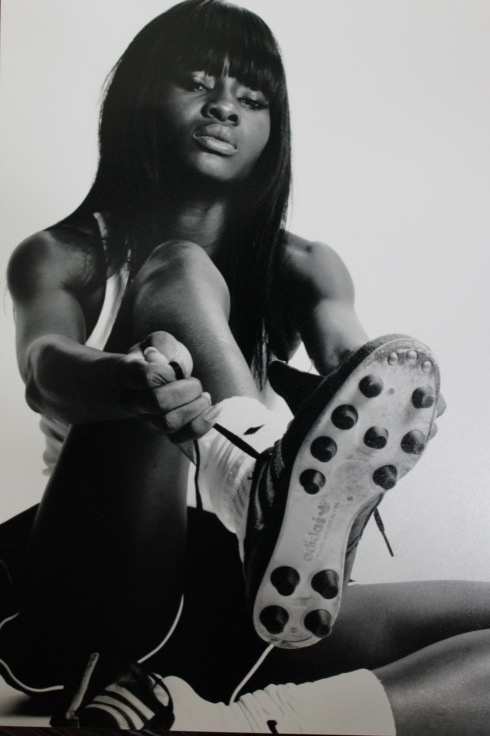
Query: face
216, 126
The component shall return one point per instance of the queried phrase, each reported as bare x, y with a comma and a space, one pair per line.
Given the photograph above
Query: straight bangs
213, 36
195, 35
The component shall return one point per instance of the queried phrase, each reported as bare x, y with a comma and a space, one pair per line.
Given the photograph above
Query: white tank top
54, 431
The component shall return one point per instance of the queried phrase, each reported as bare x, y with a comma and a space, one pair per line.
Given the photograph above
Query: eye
195, 83
253, 99
254, 102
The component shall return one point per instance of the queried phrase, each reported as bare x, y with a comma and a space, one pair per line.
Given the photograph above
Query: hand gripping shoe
356, 434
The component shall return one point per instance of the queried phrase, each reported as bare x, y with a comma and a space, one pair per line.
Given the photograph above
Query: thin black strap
237, 441
381, 527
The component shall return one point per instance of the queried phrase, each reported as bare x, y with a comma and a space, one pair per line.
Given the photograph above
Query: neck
201, 216
200, 222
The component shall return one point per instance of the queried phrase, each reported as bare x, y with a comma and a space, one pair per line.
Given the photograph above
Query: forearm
331, 334
71, 382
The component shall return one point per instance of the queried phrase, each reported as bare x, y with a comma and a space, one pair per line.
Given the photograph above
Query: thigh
215, 645
382, 623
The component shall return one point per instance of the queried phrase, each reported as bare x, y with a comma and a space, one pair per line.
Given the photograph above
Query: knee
180, 261
179, 269
176, 259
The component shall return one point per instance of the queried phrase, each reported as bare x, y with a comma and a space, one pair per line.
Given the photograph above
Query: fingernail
212, 413
155, 355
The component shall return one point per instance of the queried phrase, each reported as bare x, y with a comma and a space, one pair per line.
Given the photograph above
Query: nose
223, 109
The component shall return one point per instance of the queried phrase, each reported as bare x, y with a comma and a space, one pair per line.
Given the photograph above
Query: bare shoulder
51, 259
316, 266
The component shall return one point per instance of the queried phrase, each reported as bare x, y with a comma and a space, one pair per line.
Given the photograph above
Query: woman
184, 224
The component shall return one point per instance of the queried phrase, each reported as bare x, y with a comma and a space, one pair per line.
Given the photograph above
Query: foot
359, 431
136, 700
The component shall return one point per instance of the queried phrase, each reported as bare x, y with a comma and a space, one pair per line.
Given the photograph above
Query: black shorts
214, 645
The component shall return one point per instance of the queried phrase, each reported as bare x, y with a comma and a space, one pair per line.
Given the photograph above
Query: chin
220, 169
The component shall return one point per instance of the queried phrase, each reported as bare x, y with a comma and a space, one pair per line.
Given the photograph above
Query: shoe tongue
294, 386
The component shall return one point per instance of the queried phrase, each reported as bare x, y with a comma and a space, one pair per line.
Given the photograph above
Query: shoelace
234, 439
84, 684
381, 527
245, 447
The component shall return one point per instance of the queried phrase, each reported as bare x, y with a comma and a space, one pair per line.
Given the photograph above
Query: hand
154, 385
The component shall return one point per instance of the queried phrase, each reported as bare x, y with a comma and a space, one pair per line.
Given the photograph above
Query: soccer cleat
136, 700
354, 435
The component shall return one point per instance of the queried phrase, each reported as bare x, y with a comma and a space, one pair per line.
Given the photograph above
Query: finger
173, 422
132, 372
172, 349
198, 426
433, 431
163, 399
441, 406
161, 370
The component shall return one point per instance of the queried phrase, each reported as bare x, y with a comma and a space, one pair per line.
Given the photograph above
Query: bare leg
442, 689
180, 288
380, 624
106, 554
412, 636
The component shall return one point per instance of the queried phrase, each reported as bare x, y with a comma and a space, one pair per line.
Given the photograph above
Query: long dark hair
130, 183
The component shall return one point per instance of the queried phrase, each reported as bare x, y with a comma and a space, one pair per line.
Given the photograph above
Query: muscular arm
64, 379
323, 295
74, 383
324, 315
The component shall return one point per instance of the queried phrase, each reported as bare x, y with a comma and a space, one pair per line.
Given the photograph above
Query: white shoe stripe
121, 722
132, 700
135, 719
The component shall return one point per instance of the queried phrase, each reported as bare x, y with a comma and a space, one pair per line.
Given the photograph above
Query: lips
216, 138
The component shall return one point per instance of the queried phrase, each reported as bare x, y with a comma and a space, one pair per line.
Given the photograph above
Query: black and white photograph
245, 405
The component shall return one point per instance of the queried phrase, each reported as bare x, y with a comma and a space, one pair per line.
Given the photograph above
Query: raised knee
183, 266
177, 254
176, 261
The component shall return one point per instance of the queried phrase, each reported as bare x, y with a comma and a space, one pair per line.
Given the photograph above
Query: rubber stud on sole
323, 449
426, 366
345, 417
326, 583
274, 619
312, 480
423, 397
371, 386
376, 437
413, 442
385, 477
285, 580
412, 357
319, 623
393, 358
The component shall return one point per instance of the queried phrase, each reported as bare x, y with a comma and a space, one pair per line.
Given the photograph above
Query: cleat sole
327, 492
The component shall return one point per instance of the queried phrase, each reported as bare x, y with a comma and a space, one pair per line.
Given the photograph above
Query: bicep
44, 304
327, 321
